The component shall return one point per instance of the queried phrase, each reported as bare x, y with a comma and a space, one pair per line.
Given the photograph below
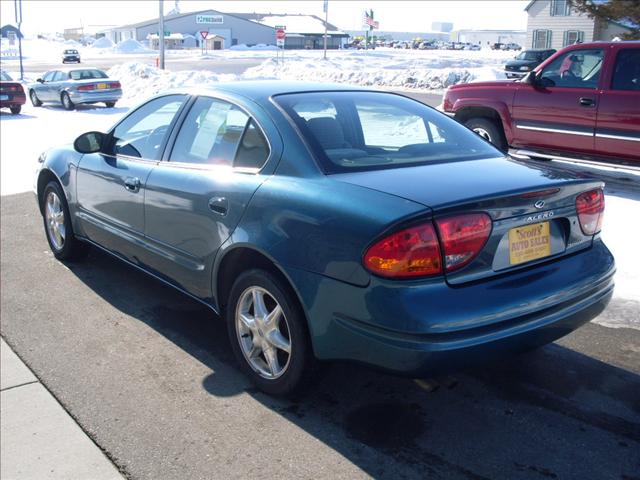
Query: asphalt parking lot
148, 374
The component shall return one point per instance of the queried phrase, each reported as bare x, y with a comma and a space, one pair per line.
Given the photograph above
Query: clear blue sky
394, 15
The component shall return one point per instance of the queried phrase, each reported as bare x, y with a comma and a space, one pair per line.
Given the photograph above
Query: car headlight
524, 68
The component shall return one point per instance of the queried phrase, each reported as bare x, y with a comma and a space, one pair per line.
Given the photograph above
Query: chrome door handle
132, 184
219, 205
587, 102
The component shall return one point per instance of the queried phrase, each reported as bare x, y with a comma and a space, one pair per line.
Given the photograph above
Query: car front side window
143, 132
574, 69
48, 76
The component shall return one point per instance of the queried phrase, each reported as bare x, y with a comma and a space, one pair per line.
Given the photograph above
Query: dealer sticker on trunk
529, 242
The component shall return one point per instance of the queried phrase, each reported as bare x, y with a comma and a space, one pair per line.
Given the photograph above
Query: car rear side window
626, 74
142, 133
211, 134
374, 130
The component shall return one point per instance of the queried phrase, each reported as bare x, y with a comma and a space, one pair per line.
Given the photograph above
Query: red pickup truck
582, 102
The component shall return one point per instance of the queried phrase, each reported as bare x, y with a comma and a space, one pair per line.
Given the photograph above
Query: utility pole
326, 19
161, 36
18, 9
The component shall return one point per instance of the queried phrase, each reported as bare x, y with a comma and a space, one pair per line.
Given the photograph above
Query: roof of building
146, 23
294, 23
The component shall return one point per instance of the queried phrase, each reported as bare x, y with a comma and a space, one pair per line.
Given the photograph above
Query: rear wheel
57, 224
16, 110
268, 333
110, 104
35, 101
489, 130
66, 101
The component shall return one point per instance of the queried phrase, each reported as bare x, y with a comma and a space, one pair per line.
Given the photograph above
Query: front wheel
489, 130
268, 333
35, 101
16, 110
57, 224
66, 101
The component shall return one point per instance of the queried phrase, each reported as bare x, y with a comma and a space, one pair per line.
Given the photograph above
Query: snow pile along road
131, 46
140, 81
383, 69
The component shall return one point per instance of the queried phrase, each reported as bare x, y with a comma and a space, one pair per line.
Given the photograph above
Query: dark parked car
324, 222
74, 87
11, 94
526, 61
70, 55
582, 102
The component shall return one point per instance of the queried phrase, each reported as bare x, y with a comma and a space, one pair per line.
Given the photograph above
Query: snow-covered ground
429, 70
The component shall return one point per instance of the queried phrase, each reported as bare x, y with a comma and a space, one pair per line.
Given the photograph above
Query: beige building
555, 24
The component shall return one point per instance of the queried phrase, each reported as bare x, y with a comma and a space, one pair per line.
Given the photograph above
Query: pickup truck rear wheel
489, 130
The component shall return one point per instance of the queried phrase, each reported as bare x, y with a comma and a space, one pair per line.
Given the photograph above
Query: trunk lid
517, 196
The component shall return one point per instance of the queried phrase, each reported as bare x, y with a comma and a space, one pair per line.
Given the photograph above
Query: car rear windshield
86, 74
351, 131
5, 77
70, 52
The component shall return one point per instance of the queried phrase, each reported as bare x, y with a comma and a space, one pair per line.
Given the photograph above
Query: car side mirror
90, 142
531, 79
39, 80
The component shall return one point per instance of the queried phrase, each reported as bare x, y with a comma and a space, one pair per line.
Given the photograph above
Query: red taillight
411, 252
86, 88
590, 208
462, 238
115, 85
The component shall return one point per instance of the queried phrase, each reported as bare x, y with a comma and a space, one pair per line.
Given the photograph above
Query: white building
555, 24
489, 37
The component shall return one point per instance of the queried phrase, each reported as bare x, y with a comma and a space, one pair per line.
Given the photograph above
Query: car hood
443, 185
521, 63
492, 83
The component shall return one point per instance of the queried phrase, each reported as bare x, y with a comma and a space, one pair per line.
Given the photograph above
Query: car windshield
86, 74
529, 55
71, 52
350, 131
5, 77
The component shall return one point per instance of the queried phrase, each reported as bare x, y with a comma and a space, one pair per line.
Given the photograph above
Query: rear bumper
423, 330
13, 101
95, 96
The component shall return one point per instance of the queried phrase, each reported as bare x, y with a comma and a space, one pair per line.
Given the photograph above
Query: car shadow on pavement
10, 116
553, 413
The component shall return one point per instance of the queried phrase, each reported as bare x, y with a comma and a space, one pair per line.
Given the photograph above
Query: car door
111, 186
558, 112
56, 86
195, 198
618, 124
42, 89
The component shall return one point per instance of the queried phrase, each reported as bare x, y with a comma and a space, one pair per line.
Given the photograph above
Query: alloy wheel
263, 333
483, 133
54, 216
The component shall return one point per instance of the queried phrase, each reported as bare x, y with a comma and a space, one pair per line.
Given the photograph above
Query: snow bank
72, 43
140, 81
427, 74
102, 42
131, 46
244, 48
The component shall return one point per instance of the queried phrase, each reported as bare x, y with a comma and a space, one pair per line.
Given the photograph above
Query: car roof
264, 89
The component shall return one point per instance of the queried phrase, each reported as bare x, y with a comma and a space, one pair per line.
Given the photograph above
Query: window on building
572, 36
541, 39
560, 8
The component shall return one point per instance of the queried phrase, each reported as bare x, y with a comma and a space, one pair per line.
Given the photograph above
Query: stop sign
280, 34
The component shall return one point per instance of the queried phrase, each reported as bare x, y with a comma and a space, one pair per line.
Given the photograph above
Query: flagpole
326, 19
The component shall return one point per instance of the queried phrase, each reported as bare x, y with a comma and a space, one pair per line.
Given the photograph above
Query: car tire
110, 104
16, 110
489, 130
57, 225
260, 344
35, 101
66, 101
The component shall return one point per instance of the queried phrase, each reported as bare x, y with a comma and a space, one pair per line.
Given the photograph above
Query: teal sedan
332, 223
